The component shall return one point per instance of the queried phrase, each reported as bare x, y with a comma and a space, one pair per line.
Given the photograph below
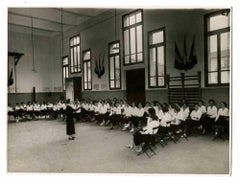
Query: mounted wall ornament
99, 66
12, 76
184, 62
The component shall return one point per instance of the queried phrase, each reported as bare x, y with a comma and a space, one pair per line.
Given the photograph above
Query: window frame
156, 46
86, 61
128, 28
218, 33
64, 66
73, 46
109, 66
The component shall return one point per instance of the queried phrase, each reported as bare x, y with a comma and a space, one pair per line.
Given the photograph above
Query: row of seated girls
35, 110
177, 119
132, 117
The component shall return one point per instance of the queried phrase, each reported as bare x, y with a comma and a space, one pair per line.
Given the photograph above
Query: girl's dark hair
152, 113
211, 100
225, 104
165, 109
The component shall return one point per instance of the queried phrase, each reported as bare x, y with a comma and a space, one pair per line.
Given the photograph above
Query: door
73, 88
77, 87
135, 85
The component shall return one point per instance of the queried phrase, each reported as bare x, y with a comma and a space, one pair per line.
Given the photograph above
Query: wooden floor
42, 146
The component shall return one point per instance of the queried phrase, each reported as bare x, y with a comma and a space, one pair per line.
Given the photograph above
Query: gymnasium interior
135, 55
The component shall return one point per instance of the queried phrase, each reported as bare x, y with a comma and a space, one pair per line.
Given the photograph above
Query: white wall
47, 74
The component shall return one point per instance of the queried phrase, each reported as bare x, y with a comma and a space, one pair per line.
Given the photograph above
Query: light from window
156, 63
218, 49
114, 66
75, 65
133, 36
87, 73
218, 22
65, 72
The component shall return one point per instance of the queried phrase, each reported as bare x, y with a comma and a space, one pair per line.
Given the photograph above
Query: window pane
117, 66
126, 21
139, 17
212, 53
89, 85
117, 84
85, 85
112, 68
213, 78
152, 62
218, 22
72, 58
153, 81
140, 57
160, 81
160, 57
139, 38
225, 77
112, 84
89, 71
126, 42
225, 51
133, 58
132, 19
114, 48
65, 61
156, 37
71, 42
86, 55
85, 72
75, 56
126, 59
78, 58
78, 40
133, 40
117, 74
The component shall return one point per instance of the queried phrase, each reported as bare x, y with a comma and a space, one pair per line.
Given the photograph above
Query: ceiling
49, 20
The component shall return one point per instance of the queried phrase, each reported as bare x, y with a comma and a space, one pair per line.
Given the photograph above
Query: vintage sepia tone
85, 84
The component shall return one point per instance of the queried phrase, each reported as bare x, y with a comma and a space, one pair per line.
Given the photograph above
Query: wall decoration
184, 62
99, 66
13, 59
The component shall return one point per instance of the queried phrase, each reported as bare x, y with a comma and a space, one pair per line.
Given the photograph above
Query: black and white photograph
143, 90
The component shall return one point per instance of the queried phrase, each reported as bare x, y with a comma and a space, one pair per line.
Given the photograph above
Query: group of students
178, 119
34, 110
136, 118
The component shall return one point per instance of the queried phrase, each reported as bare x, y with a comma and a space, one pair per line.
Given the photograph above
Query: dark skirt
139, 138
70, 126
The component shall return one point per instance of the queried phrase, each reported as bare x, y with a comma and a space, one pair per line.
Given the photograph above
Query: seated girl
144, 136
222, 117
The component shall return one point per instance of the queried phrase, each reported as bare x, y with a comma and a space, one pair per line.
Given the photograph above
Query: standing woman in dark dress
69, 121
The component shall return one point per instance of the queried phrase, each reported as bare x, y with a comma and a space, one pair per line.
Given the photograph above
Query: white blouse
178, 118
150, 125
196, 115
222, 112
212, 111
165, 119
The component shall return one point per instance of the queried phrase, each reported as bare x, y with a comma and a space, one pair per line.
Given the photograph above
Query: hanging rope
33, 58
62, 38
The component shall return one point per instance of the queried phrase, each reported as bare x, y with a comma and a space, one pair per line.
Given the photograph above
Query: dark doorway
135, 85
73, 88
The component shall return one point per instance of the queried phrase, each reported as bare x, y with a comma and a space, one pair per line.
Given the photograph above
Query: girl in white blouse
208, 120
144, 136
223, 116
194, 120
